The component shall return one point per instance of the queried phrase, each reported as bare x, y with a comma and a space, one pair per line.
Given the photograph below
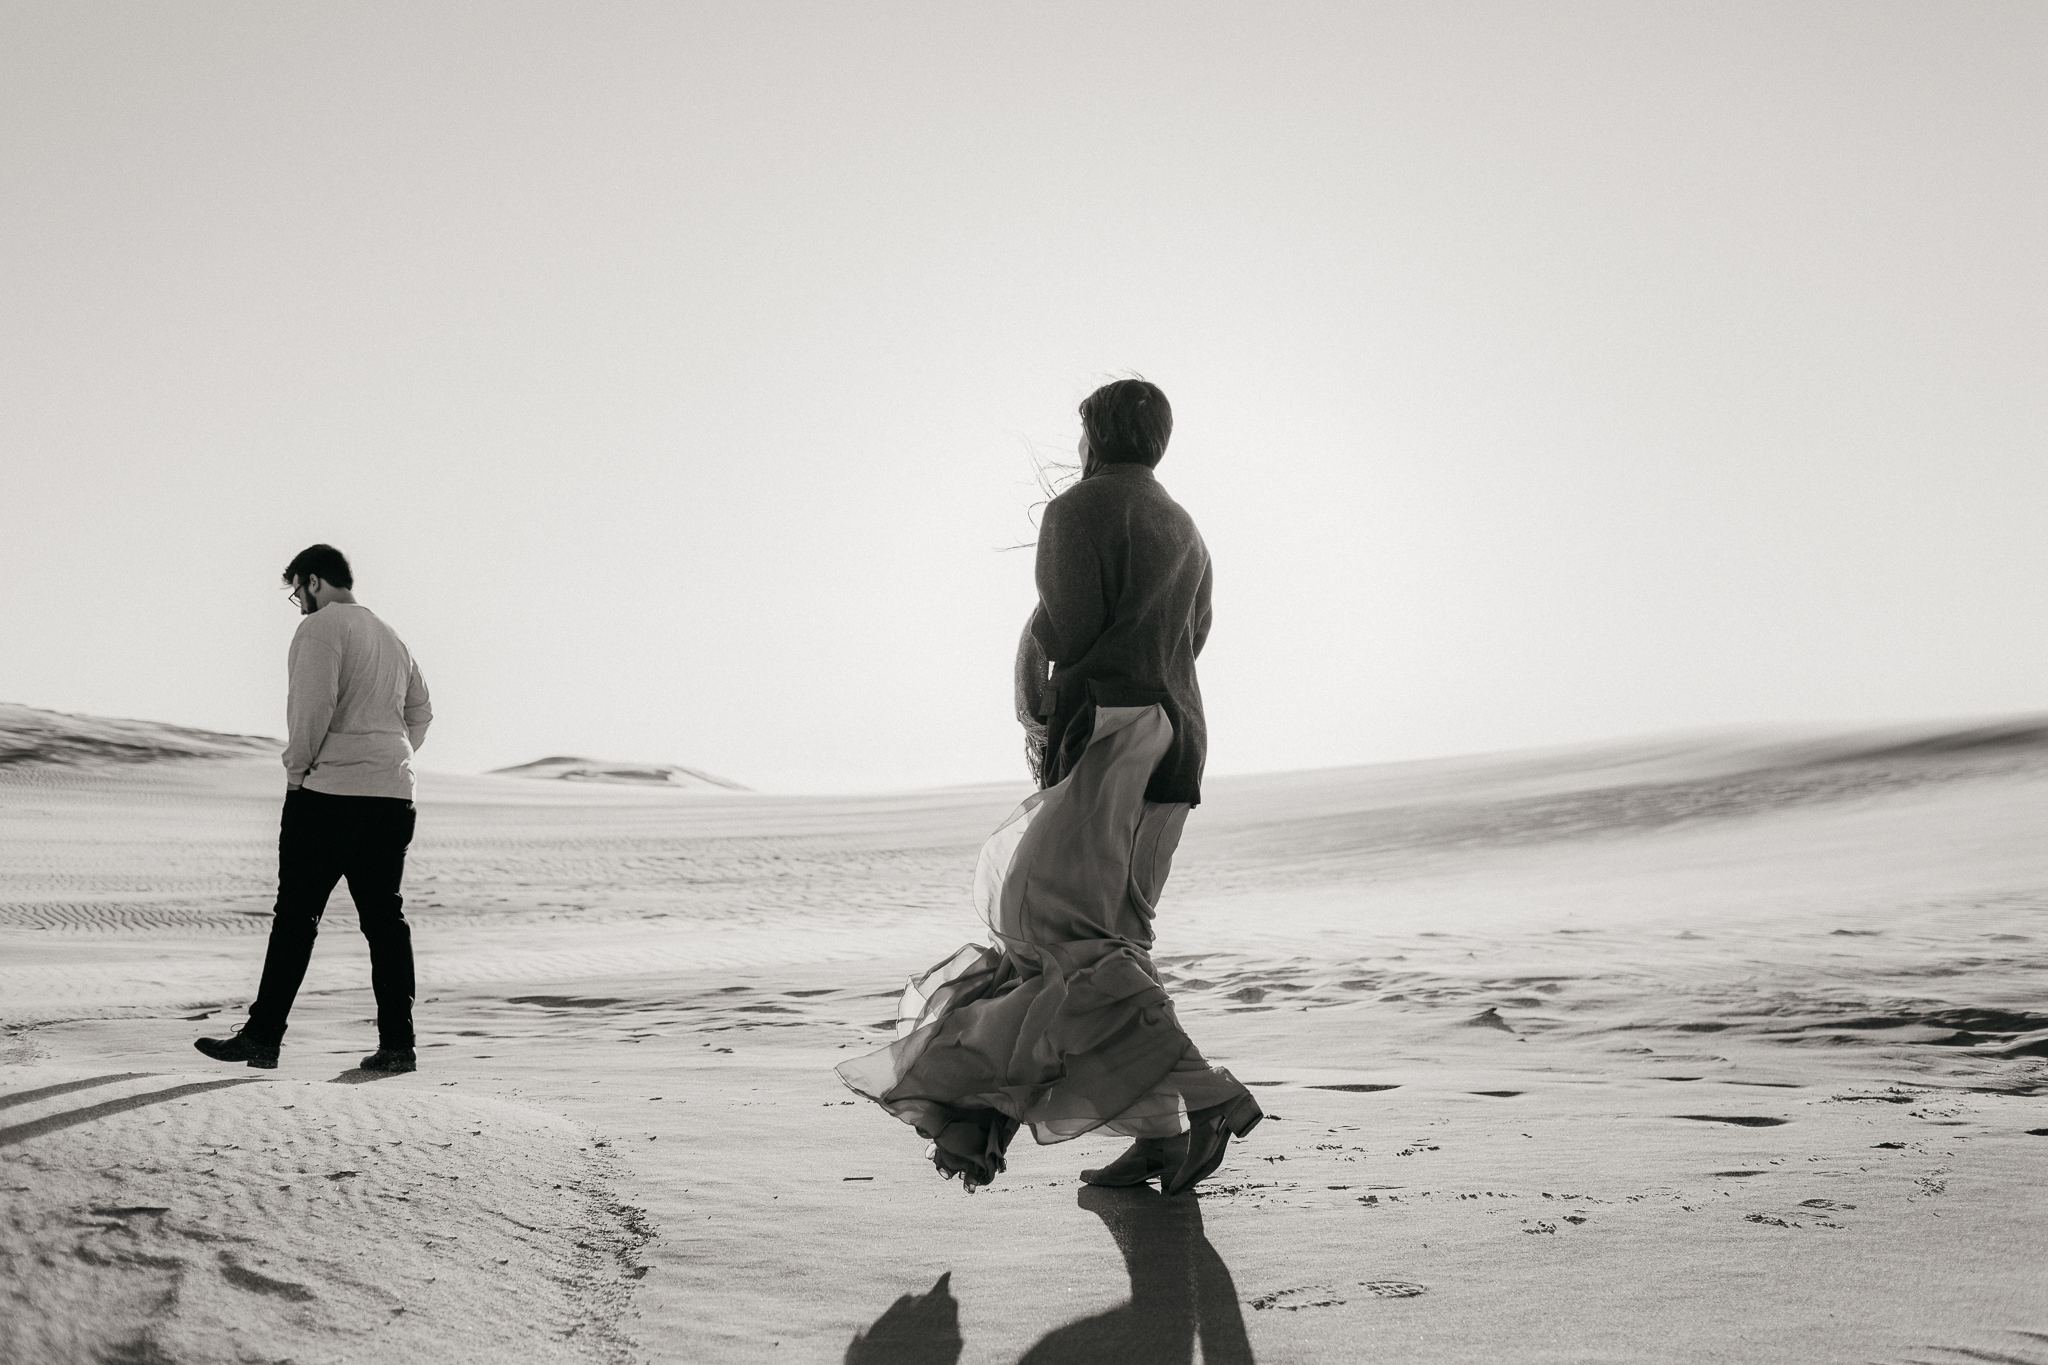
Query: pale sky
671, 373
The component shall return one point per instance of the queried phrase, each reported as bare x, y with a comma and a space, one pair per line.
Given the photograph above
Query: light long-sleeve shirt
358, 706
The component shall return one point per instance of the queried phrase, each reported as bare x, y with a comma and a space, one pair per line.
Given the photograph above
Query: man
357, 710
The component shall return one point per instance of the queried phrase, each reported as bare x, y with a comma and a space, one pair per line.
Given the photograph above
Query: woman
1063, 1024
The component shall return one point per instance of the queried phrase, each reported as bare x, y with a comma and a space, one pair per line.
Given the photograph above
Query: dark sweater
1123, 611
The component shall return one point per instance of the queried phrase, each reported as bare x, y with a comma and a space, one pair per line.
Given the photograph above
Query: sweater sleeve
419, 709
1204, 613
1072, 612
309, 709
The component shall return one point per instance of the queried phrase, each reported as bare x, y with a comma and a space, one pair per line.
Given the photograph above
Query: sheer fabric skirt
1062, 1023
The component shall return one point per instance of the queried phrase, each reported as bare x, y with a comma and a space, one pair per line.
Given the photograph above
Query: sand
1711, 1048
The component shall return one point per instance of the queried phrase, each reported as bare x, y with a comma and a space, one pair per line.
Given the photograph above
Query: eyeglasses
292, 595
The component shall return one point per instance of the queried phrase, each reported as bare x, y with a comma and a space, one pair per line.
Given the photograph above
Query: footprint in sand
241, 1277
1739, 1120
1294, 1300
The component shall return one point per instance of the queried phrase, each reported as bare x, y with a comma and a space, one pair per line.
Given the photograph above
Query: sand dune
1694, 1048
32, 737
672, 775
172, 1216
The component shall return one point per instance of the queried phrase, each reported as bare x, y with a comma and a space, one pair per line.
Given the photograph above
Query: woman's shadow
1181, 1292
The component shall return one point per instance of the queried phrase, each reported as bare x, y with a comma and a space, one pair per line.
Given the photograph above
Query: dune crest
29, 736
672, 775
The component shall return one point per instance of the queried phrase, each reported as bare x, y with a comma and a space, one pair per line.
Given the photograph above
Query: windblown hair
323, 562
1127, 422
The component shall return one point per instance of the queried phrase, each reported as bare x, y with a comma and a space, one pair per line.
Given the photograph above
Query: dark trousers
321, 840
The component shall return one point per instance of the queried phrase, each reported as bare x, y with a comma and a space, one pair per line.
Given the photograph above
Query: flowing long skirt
1062, 1024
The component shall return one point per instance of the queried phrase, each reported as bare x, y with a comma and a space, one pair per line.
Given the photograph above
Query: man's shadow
1181, 1292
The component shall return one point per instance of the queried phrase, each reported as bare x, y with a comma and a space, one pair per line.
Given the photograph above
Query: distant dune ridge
1693, 770
566, 769
30, 737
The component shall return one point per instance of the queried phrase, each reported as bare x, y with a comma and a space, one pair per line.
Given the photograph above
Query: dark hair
1127, 422
323, 562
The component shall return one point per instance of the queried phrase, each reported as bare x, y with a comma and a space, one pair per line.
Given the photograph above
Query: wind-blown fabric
1061, 1022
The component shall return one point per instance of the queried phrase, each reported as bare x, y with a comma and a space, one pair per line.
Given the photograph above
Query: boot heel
1242, 1115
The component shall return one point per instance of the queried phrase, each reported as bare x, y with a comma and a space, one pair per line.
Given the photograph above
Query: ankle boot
260, 1053
1209, 1134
